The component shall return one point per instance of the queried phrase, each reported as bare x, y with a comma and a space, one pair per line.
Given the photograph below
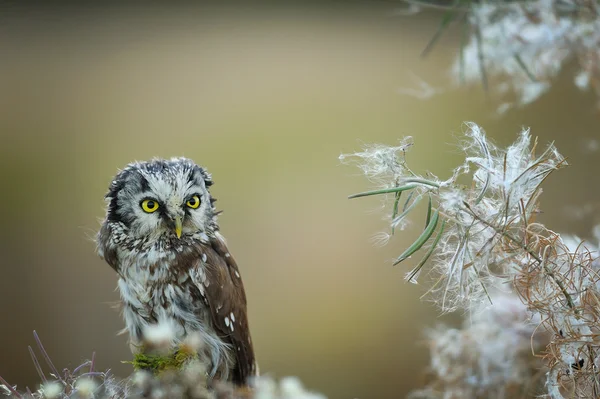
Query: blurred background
266, 97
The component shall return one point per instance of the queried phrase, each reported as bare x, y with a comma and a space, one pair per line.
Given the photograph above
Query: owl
161, 236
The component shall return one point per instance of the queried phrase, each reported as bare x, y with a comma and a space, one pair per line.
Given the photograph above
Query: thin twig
93, 361
11, 389
548, 272
36, 364
46, 356
86, 363
481, 58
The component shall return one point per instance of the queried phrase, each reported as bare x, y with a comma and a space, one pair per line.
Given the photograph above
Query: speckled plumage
190, 282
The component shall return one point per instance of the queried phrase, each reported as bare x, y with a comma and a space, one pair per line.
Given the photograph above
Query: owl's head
162, 198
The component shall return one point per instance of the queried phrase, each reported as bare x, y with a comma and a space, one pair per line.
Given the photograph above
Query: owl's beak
178, 225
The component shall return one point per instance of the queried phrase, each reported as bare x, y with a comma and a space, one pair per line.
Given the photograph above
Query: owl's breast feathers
199, 287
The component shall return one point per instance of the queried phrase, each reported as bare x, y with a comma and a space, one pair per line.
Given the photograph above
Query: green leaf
425, 235
446, 20
407, 201
524, 68
428, 218
407, 210
395, 209
422, 181
414, 273
481, 58
463, 43
384, 191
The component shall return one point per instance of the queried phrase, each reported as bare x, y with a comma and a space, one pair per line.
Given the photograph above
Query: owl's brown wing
224, 294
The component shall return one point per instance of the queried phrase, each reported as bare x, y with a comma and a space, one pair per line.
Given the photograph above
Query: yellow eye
149, 205
193, 202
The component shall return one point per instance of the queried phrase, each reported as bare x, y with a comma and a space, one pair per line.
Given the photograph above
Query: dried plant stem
46, 356
531, 253
36, 363
10, 388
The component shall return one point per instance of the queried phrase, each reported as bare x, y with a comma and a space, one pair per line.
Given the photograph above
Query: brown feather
226, 296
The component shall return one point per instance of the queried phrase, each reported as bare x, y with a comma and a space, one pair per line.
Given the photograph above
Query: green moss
157, 363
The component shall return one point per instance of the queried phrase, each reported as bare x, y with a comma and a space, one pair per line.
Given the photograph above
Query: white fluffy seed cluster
473, 254
287, 388
490, 242
491, 353
188, 383
523, 46
160, 336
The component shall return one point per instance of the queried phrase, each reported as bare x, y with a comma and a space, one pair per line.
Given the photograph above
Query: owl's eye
193, 202
149, 205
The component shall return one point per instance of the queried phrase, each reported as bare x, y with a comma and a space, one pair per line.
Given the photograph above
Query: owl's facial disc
160, 199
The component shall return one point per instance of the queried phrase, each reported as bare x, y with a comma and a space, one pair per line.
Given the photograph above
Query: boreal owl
161, 236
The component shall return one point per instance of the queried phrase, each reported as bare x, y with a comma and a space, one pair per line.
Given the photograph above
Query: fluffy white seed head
52, 389
86, 387
160, 336
524, 46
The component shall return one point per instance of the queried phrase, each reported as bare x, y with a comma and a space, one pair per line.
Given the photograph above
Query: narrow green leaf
384, 191
446, 20
421, 181
428, 218
524, 68
425, 235
395, 209
407, 210
414, 273
407, 201
481, 57
463, 43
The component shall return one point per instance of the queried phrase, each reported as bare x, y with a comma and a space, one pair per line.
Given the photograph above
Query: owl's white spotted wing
223, 292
